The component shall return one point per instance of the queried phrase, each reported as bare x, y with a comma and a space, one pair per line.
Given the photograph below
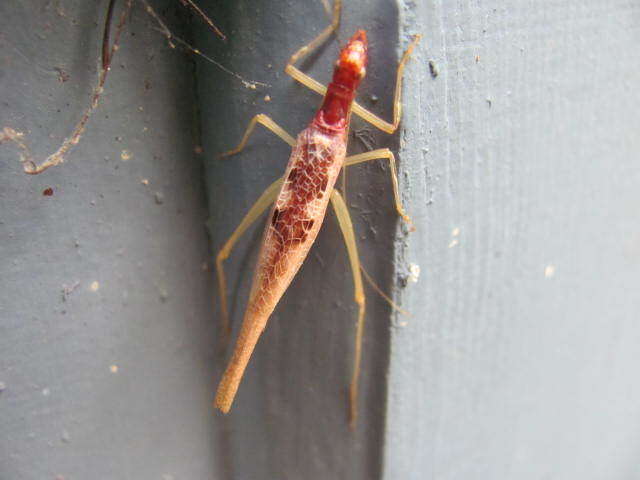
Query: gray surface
501, 372
62, 411
532, 152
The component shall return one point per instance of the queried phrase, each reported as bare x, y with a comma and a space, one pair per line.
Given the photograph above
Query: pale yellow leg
315, 43
267, 122
265, 200
344, 220
388, 154
358, 109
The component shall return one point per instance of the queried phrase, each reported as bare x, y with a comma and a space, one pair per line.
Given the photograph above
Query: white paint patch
454, 241
414, 273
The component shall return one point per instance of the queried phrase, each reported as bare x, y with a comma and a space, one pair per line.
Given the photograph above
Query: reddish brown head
351, 68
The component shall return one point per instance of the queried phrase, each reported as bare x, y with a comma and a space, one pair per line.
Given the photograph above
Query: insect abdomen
297, 214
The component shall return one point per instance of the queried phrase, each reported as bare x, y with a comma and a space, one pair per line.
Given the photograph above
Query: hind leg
344, 220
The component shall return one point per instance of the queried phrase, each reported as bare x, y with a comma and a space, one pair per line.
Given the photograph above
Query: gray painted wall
62, 410
518, 164
527, 142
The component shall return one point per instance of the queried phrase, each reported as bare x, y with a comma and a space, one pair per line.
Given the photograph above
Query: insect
300, 199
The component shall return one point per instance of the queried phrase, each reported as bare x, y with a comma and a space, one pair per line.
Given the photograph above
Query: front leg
380, 154
266, 122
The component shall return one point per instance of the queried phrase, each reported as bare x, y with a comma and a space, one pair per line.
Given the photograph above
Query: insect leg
397, 105
302, 52
267, 122
266, 199
388, 154
344, 220
315, 43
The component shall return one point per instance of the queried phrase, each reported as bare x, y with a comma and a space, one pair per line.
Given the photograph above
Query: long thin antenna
198, 10
172, 40
29, 165
384, 296
8, 134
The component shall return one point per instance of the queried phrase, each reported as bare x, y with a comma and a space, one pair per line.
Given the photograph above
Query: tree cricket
300, 199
